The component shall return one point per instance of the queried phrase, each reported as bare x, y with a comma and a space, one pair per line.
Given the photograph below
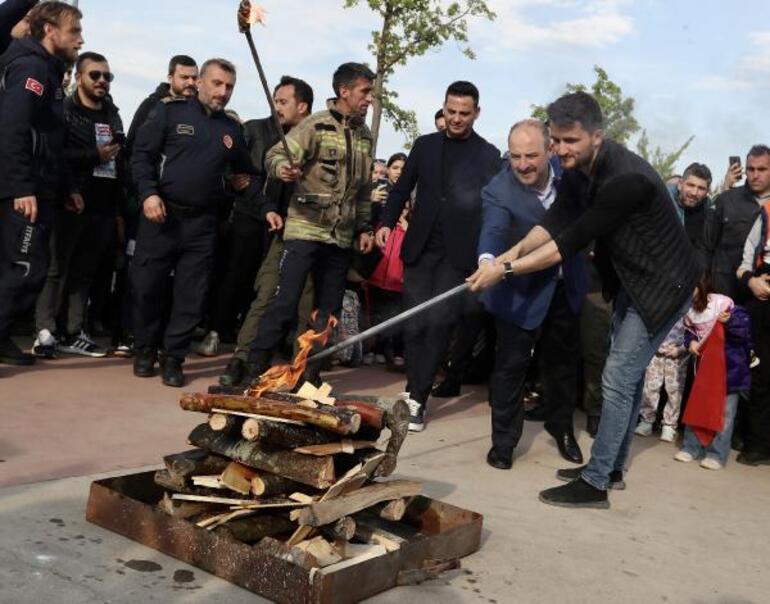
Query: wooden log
238, 477
316, 472
326, 512
344, 529
267, 485
320, 550
333, 419
369, 531
220, 422
345, 446
196, 462
392, 510
397, 421
182, 509
210, 482
165, 480
251, 530
245, 503
284, 436
371, 414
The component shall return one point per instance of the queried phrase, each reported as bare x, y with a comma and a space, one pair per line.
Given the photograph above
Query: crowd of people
591, 281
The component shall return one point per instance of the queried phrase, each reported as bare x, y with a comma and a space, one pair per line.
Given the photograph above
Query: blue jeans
631, 350
719, 448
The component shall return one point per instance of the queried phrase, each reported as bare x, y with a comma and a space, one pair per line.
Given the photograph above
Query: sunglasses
95, 75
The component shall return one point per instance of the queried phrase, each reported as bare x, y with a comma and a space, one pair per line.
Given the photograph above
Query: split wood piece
251, 530
316, 472
273, 548
326, 512
210, 482
222, 422
320, 550
183, 510
238, 477
392, 510
371, 414
345, 446
279, 420
321, 395
362, 554
302, 498
285, 436
250, 504
266, 485
340, 421
397, 421
344, 529
369, 531
166, 480
194, 462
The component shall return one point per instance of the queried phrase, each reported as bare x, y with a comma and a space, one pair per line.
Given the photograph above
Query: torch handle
385, 325
273, 112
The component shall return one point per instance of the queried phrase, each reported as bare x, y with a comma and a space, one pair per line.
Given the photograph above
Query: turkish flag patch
228, 141
34, 86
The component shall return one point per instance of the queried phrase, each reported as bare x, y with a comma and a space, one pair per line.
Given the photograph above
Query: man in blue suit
536, 309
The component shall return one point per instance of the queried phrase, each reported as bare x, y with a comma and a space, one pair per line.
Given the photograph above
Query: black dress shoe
172, 372
567, 445
447, 389
592, 425
576, 494
568, 475
753, 458
10, 354
501, 461
234, 373
144, 362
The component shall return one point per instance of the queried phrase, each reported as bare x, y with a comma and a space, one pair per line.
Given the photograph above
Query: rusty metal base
435, 531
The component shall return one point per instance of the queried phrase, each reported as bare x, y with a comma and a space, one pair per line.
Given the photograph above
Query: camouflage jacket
331, 201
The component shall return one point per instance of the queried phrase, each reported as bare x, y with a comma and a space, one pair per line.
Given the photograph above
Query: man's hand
289, 173
365, 242
490, 273
107, 152
239, 182
733, 175
760, 287
274, 221
26, 206
511, 255
381, 237
154, 209
75, 203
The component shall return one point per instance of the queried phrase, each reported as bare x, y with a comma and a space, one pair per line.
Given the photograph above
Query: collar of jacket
351, 121
30, 46
205, 110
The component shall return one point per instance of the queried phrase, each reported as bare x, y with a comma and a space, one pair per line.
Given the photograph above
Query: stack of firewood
293, 473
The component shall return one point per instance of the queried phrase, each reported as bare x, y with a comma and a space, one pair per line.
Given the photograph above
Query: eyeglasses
95, 75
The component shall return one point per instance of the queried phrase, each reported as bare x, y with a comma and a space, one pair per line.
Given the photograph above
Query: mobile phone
119, 138
735, 159
382, 182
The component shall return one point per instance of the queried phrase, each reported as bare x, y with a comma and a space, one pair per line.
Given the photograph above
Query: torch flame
257, 14
285, 377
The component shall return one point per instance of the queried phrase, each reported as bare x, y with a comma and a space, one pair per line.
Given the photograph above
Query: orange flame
282, 378
256, 14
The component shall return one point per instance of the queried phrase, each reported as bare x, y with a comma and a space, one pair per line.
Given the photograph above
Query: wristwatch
507, 269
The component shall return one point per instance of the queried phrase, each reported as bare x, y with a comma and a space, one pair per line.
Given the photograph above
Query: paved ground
678, 534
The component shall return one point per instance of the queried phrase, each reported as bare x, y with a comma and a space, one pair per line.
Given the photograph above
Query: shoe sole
83, 353
144, 374
613, 486
598, 505
416, 427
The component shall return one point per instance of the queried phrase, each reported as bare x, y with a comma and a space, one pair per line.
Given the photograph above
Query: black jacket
182, 153
261, 135
11, 12
457, 201
102, 195
140, 116
31, 122
724, 235
641, 245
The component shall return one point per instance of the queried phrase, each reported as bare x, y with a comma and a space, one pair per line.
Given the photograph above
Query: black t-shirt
453, 154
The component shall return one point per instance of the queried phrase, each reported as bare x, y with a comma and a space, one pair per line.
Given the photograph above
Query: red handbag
389, 274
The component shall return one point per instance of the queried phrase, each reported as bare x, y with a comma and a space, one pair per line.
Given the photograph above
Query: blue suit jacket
510, 210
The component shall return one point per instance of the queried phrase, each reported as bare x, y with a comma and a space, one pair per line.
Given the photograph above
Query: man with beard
293, 102
82, 236
32, 176
691, 196
610, 195
180, 159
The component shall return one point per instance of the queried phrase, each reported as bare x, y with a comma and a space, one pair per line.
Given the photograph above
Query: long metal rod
273, 112
385, 325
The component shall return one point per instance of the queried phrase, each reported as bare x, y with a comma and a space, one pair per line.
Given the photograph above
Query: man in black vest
449, 169
644, 259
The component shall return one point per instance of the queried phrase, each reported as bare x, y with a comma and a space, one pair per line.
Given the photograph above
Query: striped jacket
641, 245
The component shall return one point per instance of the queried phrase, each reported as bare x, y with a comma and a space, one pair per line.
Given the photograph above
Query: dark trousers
472, 350
245, 251
185, 246
426, 336
79, 244
24, 258
559, 341
327, 263
758, 406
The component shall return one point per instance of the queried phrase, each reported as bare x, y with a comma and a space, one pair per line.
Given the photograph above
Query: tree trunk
379, 82
317, 472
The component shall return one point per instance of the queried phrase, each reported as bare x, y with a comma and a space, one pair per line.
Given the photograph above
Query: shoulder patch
34, 86
324, 127
185, 129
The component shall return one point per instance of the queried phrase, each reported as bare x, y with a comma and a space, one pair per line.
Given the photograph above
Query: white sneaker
643, 428
710, 464
668, 434
368, 359
44, 345
209, 346
416, 413
398, 361
684, 456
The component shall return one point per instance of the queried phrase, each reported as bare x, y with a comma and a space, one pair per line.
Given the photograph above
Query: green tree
620, 123
410, 28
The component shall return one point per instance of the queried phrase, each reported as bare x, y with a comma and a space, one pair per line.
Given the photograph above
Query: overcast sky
698, 67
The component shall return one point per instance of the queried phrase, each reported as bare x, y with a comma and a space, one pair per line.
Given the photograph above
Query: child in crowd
718, 333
